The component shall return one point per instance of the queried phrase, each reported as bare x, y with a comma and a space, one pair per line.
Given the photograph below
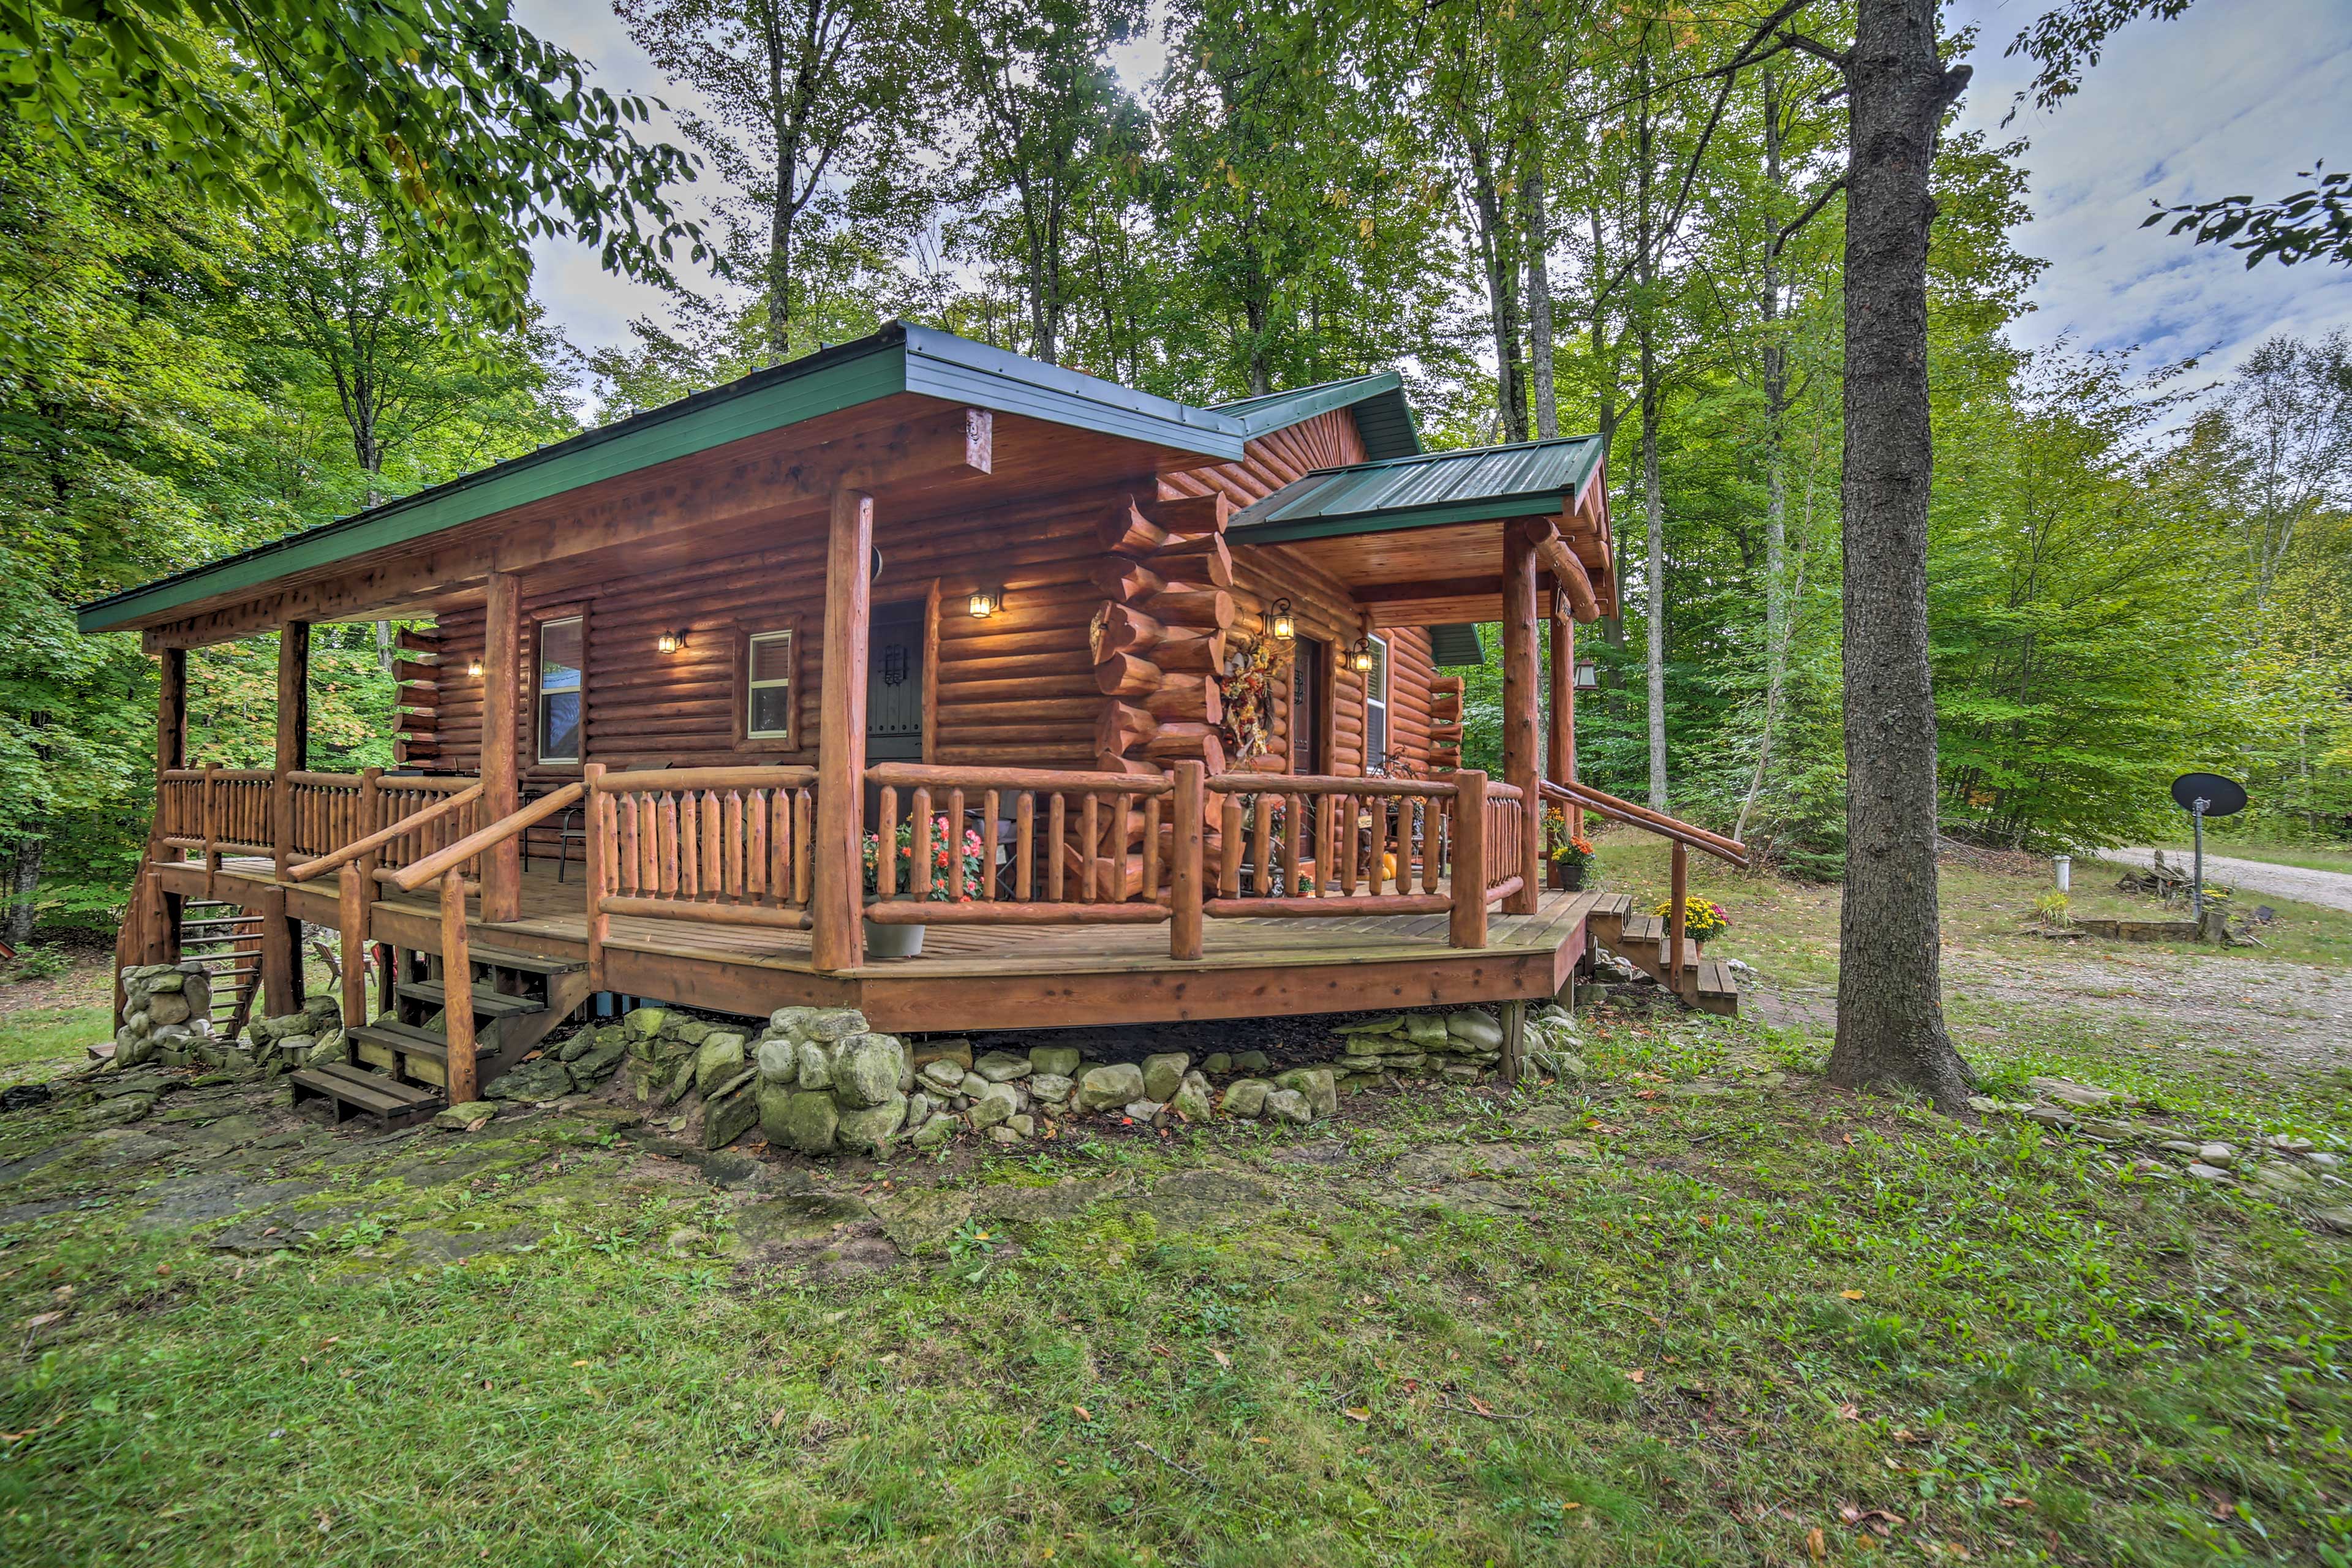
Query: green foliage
469, 134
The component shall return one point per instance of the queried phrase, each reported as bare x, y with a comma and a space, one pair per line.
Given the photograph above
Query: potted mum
1703, 921
1569, 861
897, 941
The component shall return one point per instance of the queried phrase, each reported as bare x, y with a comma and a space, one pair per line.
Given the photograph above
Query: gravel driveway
2333, 889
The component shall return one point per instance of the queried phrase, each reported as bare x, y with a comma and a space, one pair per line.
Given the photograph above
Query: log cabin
918, 677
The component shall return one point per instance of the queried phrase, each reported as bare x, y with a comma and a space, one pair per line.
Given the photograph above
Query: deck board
1073, 973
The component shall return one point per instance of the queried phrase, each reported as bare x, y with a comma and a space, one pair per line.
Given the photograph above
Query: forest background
1549, 215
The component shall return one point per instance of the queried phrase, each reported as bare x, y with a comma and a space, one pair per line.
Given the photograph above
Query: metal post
2064, 864
2197, 884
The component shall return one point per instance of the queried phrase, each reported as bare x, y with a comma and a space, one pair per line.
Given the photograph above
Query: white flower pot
893, 941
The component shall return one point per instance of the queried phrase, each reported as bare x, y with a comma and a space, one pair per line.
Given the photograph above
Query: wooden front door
893, 684
1311, 666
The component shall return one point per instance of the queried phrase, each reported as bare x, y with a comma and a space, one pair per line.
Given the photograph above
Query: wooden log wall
1122, 603
1019, 685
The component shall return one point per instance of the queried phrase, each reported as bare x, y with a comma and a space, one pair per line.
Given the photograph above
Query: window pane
771, 656
771, 710
559, 725
558, 656
1376, 682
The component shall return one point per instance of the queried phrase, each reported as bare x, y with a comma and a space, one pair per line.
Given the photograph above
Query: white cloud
2231, 98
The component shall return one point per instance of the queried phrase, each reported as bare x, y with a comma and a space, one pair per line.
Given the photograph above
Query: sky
2236, 98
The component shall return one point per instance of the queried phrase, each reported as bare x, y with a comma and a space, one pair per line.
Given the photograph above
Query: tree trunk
1539, 329
782, 209
24, 891
1776, 473
1654, 576
1502, 292
1652, 509
1890, 1022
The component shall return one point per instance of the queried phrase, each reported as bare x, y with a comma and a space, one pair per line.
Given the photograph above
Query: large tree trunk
1890, 1028
1539, 329
1652, 506
1776, 472
24, 891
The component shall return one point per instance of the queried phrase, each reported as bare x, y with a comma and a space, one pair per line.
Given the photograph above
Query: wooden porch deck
974, 978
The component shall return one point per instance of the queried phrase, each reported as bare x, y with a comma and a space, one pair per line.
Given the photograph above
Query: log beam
501, 723
1520, 757
836, 938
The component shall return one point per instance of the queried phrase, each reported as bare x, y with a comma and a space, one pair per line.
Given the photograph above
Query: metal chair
569, 825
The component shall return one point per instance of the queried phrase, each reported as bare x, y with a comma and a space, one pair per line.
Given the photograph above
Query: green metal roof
1453, 645
901, 357
1523, 480
1384, 419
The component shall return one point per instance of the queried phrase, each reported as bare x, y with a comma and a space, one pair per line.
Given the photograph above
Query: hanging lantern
474, 666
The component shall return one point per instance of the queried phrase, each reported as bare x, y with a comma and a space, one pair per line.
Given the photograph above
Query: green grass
1833, 1302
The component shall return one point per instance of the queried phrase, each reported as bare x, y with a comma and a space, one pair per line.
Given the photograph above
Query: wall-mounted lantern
669, 642
986, 602
1588, 675
1360, 656
1281, 622
474, 667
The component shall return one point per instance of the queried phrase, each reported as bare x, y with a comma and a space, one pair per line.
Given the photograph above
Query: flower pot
1555, 875
893, 941
1566, 875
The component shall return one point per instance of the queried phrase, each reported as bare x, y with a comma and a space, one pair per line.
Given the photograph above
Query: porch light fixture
1588, 675
986, 602
1360, 656
669, 642
474, 666
1281, 622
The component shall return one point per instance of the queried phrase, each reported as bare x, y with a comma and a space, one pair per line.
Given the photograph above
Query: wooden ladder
228, 941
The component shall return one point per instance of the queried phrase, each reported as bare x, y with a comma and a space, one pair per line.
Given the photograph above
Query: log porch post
1466, 925
836, 897
293, 735
281, 936
1520, 759
159, 911
1561, 762
501, 721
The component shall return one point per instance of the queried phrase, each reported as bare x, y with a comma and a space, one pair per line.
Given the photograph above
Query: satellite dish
2222, 797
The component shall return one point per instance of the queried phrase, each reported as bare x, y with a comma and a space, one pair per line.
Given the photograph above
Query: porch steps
1706, 984
401, 1064
353, 1090
487, 1003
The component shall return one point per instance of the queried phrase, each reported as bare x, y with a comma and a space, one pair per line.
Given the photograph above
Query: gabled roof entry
1524, 479
1383, 418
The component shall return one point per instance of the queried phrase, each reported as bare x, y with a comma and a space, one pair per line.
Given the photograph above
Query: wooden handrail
444, 860
924, 776
657, 779
382, 835
1641, 817
324, 781
1328, 783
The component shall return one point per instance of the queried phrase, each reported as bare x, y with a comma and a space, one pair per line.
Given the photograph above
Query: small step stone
466, 1117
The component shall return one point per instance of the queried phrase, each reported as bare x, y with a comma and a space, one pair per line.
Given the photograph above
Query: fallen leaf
580, 1363
1850, 1295
1849, 1412
1223, 1359
1816, 1547
1480, 1405
2017, 1502
40, 1318
777, 1419
1358, 1416
1267, 1442
1636, 1375
1083, 1414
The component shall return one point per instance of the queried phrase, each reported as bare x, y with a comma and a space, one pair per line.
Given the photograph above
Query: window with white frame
1376, 707
563, 688
768, 687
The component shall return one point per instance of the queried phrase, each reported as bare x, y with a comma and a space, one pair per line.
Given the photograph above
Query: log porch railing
1032, 847
1682, 836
